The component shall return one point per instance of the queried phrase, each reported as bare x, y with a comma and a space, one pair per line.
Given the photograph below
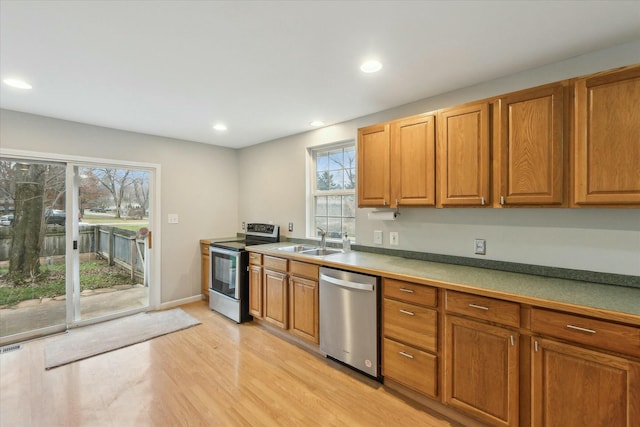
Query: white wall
198, 182
273, 188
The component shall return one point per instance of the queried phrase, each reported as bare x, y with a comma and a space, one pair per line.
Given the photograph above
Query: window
333, 191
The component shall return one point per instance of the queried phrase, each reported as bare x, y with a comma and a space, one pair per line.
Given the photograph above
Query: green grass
51, 283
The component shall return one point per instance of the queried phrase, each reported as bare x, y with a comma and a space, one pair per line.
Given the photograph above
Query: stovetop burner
257, 234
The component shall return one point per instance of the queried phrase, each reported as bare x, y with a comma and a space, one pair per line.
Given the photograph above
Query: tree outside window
334, 202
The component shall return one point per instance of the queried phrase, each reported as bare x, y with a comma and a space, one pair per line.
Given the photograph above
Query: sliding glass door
114, 220
75, 244
32, 247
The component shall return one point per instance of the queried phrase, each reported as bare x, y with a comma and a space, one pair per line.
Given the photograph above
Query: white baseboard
176, 303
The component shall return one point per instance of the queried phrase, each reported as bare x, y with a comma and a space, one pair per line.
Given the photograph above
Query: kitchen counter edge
608, 302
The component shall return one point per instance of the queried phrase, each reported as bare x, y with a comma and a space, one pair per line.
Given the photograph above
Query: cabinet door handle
536, 345
578, 328
407, 312
513, 341
502, 200
482, 201
479, 307
409, 291
407, 355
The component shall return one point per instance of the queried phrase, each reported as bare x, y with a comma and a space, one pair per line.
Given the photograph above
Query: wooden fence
118, 246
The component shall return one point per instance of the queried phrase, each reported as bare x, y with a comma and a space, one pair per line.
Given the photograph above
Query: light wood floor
215, 374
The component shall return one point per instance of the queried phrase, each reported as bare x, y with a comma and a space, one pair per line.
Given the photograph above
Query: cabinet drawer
490, 309
411, 367
597, 333
274, 263
411, 324
255, 259
410, 292
302, 269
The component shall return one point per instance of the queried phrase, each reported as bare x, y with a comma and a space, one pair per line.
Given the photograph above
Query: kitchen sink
310, 250
322, 252
297, 248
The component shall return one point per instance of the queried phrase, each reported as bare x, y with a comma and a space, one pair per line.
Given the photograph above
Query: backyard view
112, 214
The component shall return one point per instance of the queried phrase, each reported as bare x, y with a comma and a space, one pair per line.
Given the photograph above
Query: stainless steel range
229, 271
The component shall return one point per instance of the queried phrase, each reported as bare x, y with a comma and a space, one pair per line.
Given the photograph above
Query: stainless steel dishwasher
349, 326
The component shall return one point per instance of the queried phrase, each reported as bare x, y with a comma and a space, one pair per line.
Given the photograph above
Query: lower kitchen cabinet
410, 331
574, 386
204, 260
255, 291
304, 317
411, 367
304, 306
481, 370
275, 295
276, 308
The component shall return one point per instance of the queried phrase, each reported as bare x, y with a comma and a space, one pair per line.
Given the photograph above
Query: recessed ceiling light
371, 66
317, 123
17, 83
220, 127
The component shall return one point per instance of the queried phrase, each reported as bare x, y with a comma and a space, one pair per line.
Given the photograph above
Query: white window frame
312, 191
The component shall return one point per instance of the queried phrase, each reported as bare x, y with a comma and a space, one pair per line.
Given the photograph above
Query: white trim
155, 169
311, 183
178, 302
90, 161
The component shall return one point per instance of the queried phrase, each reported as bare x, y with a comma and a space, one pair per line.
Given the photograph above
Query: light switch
173, 219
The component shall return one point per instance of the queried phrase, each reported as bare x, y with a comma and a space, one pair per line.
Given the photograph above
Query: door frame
72, 233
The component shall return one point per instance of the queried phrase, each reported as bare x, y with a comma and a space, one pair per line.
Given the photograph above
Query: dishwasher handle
347, 284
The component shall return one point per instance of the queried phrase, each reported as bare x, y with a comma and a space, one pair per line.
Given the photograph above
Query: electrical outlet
243, 225
393, 238
290, 226
377, 237
172, 219
480, 247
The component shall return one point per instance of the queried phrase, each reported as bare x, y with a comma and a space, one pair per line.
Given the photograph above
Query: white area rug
92, 340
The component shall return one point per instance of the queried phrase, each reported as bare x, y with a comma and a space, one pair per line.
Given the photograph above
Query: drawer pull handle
409, 291
407, 312
407, 355
479, 307
578, 328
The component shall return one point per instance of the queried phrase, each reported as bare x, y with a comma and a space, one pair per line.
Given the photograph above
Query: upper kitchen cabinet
373, 166
606, 149
413, 161
463, 155
529, 153
396, 163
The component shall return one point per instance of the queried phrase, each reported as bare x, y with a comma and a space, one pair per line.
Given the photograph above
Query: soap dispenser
346, 243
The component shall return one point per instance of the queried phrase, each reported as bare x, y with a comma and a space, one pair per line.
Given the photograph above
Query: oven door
225, 276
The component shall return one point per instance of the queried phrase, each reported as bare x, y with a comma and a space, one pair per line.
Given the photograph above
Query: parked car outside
6, 220
55, 216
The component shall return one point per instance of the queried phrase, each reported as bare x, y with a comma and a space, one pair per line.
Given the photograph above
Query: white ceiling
268, 68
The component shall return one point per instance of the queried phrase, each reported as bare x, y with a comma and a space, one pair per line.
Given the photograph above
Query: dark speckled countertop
610, 302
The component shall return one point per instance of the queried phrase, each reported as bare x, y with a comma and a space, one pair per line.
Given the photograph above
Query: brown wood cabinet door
205, 275
529, 145
606, 151
303, 308
481, 370
573, 386
373, 166
463, 155
413, 162
275, 299
255, 291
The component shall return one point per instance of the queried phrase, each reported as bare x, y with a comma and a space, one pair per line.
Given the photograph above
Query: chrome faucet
323, 238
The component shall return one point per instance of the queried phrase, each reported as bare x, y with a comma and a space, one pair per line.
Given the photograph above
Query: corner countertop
617, 303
